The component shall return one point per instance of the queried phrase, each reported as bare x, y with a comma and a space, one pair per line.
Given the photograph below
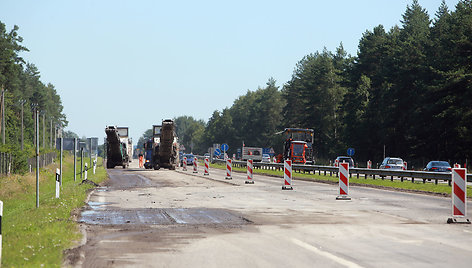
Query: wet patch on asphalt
160, 216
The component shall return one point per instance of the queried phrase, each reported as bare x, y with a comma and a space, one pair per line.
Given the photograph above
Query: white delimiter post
58, 182
1, 214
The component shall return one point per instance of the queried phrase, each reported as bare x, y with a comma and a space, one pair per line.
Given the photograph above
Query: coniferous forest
408, 90
23, 93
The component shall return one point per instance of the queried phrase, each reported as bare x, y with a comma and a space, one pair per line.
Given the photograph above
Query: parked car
438, 166
190, 159
266, 158
346, 159
392, 163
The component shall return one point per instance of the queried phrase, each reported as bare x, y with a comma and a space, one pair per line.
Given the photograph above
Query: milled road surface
148, 218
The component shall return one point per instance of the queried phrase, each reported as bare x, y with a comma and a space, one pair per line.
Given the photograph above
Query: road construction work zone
166, 218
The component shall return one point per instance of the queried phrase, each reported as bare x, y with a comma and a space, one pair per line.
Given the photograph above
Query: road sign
217, 152
350, 151
224, 147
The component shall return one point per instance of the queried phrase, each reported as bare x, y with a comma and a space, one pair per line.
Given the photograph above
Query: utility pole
44, 130
3, 115
22, 102
50, 134
37, 156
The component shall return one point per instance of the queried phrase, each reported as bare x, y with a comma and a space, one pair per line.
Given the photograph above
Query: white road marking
326, 254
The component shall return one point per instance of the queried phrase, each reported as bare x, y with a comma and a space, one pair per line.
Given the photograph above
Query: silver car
393, 163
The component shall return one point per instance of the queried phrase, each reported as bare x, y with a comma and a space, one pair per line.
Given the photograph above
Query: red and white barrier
405, 165
287, 175
343, 182
195, 165
250, 169
369, 164
459, 195
207, 166
228, 169
184, 166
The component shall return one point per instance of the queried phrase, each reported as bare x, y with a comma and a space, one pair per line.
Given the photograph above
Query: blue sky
134, 63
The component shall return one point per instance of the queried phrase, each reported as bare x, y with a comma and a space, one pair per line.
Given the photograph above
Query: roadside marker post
343, 182
457, 165
405, 165
229, 168
1, 214
336, 163
459, 197
369, 164
85, 172
184, 168
58, 182
207, 166
287, 175
195, 165
250, 169
94, 166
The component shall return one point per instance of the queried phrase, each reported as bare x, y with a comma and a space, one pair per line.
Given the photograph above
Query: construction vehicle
165, 147
298, 145
118, 146
148, 154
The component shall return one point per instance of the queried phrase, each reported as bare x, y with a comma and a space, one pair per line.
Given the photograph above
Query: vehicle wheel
157, 167
172, 167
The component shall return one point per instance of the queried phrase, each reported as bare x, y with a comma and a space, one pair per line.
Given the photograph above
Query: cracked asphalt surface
148, 218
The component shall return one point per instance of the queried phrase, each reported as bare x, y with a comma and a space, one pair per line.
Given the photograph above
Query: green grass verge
418, 185
37, 237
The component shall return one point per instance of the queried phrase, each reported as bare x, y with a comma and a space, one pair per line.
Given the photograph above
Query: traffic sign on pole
350, 151
217, 152
224, 147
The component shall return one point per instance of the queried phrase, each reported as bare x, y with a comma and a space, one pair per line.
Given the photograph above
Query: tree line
407, 92
23, 92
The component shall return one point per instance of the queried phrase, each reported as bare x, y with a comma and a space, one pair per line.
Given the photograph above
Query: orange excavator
298, 145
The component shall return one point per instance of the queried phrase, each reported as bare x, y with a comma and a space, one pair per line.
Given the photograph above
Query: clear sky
134, 63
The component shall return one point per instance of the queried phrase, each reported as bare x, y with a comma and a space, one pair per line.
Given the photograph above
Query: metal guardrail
381, 173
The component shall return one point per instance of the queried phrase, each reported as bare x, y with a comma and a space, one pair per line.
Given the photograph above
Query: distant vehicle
438, 166
254, 153
190, 159
346, 159
206, 155
265, 158
392, 163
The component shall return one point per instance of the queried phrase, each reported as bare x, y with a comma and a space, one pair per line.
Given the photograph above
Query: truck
165, 146
118, 146
298, 145
254, 153
148, 148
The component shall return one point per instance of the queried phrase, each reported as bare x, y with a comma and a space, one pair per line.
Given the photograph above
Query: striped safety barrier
207, 166
287, 175
250, 170
195, 165
343, 182
459, 196
228, 169
184, 164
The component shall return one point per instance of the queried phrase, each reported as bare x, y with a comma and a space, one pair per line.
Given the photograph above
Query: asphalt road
148, 218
